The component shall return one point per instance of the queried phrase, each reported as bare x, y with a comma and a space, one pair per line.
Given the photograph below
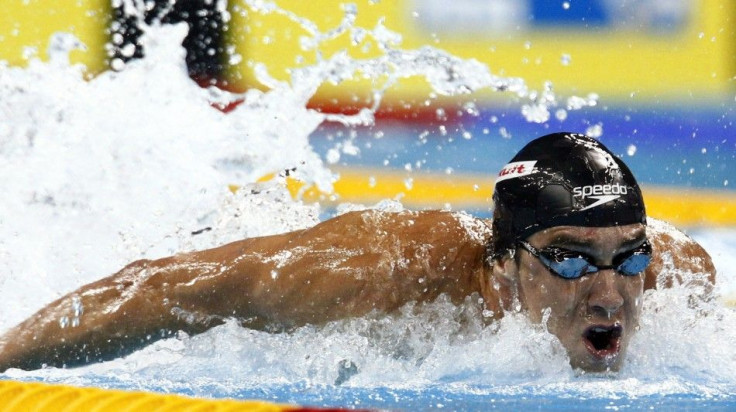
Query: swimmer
569, 244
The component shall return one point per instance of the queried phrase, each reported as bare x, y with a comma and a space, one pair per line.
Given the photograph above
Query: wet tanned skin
354, 264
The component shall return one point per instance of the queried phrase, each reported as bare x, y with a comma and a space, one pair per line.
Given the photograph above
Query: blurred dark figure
204, 43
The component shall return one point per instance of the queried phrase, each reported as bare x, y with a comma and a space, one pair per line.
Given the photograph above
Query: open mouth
603, 341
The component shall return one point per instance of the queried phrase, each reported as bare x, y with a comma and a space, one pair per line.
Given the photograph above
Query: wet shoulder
676, 256
423, 225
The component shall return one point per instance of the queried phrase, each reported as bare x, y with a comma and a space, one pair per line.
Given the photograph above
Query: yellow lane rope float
41, 397
683, 207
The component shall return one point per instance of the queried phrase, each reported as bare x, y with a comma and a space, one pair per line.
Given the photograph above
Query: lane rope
41, 397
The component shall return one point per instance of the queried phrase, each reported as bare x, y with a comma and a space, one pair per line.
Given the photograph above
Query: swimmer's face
595, 315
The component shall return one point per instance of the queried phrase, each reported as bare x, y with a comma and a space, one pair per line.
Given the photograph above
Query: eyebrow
567, 240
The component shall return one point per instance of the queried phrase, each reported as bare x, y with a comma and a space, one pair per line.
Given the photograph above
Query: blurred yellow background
680, 53
693, 60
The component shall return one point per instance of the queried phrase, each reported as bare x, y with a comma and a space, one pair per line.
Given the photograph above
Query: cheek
542, 290
634, 294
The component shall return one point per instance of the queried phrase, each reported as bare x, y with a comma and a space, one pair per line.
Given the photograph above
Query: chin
609, 364
611, 361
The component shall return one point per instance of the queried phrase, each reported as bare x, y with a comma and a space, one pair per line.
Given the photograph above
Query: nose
604, 298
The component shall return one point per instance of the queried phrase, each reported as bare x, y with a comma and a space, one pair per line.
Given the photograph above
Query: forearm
144, 302
52, 338
99, 321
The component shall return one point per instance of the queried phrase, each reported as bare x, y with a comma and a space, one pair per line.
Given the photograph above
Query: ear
505, 270
503, 280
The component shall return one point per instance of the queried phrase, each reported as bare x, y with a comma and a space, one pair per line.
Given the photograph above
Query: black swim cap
562, 179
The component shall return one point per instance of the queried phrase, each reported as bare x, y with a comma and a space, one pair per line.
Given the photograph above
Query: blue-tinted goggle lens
572, 265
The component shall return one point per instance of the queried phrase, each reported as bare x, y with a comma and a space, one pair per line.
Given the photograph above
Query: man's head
569, 243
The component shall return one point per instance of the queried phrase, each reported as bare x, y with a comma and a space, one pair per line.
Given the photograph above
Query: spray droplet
631, 150
128, 50
441, 115
77, 306
333, 156
117, 64
408, 183
565, 59
566, 5
236, 59
595, 131
471, 109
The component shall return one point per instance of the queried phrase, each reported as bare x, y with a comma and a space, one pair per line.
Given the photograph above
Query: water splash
448, 75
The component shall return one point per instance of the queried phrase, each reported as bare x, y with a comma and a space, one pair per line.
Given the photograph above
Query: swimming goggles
569, 264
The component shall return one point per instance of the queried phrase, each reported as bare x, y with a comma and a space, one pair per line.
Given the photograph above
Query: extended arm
347, 266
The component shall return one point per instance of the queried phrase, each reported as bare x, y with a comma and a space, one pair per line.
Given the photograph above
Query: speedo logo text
597, 190
602, 193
